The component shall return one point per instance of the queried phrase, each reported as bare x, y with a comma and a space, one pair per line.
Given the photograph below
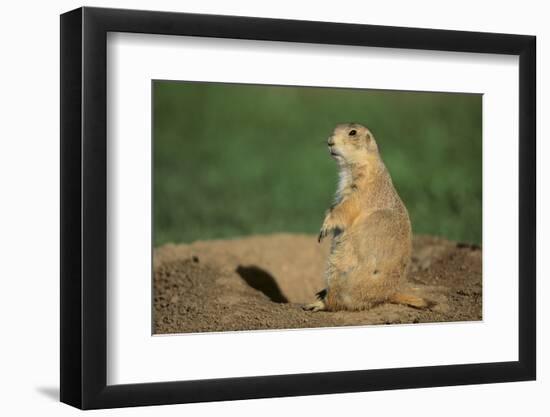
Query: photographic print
262, 202
279, 207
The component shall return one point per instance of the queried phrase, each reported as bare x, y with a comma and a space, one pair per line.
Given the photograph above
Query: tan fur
370, 227
409, 300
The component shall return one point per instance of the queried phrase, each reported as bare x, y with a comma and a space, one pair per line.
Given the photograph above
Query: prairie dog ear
371, 143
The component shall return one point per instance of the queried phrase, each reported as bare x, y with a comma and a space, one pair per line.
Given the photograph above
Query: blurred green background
232, 160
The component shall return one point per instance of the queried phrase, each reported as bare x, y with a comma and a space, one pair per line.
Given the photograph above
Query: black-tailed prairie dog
370, 227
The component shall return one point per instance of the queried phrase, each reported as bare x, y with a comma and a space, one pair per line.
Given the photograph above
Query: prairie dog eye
352, 132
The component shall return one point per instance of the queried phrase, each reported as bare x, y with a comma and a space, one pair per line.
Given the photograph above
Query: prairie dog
371, 231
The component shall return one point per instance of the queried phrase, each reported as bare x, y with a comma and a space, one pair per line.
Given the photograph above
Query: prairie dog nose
330, 141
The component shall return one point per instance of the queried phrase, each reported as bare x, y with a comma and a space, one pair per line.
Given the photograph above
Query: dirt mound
260, 282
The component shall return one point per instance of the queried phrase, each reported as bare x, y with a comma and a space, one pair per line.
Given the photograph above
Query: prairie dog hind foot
318, 305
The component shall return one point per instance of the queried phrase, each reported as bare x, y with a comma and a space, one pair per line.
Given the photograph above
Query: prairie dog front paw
326, 228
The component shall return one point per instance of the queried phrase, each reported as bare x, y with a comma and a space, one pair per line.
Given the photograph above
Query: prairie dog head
351, 143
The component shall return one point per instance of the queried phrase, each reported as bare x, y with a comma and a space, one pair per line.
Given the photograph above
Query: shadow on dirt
263, 281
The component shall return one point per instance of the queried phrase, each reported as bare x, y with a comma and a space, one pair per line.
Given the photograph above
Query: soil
261, 282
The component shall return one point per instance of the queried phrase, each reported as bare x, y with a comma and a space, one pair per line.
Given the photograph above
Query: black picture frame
84, 207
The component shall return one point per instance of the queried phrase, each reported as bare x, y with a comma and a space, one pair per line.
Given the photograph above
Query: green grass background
233, 160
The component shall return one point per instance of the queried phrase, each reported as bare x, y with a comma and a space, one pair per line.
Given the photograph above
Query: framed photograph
259, 208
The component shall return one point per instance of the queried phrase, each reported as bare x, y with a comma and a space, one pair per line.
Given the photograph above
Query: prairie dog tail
409, 300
